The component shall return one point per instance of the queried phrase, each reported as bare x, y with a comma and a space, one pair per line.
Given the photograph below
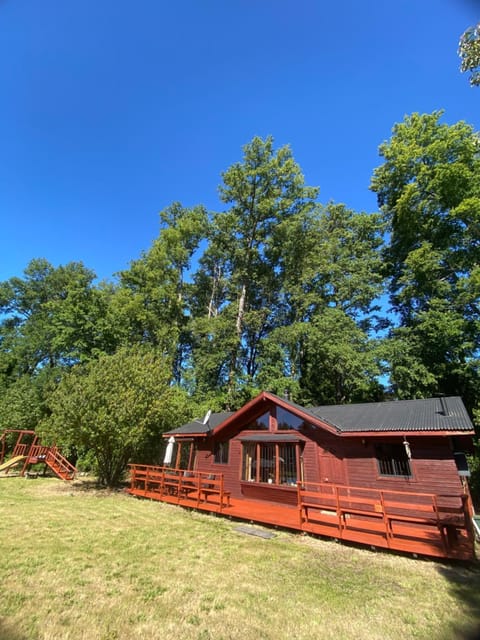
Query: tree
23, 400
323, 352
429, 191
237, 285
330, 258
51, 317
154, 297
116, 407
469, 52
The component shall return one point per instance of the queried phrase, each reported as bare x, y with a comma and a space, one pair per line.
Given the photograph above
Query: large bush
116, 408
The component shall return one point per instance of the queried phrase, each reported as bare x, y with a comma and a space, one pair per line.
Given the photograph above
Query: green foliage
474, 480
22, 403
330, 258
322, 351
235, 294
153, 297
469, 52
116, 407
52, 317
429, 192
328, 360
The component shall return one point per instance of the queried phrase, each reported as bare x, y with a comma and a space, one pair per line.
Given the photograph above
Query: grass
78, 563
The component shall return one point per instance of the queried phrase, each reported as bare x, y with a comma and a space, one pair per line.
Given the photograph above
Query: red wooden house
386, 474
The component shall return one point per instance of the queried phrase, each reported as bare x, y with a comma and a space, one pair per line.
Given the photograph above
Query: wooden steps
59, 464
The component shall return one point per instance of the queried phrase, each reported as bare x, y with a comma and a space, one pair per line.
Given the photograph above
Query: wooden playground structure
27, 450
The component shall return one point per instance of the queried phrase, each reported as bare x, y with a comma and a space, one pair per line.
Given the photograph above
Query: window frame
392, 460
221, 450
269, 472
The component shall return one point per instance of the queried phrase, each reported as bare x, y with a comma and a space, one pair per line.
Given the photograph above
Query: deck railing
396, 516
171, 484
423, 523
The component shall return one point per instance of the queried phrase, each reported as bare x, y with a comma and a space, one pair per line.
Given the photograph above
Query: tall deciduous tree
53, 317
429, 190
154, 299
239, 278
50, 316
323, 351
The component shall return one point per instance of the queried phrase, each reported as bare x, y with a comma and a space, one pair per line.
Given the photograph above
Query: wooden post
221, 492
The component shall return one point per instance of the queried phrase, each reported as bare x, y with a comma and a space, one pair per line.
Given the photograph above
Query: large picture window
273, 463
392, 460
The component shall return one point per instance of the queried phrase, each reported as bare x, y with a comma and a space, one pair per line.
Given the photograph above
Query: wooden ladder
59, 464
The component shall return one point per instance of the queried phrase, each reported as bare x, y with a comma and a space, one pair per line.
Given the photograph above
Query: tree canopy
469, 52
276, 291
429, 191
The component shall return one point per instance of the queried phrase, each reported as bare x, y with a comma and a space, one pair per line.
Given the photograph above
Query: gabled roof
446, 415
197, 427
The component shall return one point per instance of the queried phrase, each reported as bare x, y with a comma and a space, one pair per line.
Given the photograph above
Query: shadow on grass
92, 485
464, 581
7, 632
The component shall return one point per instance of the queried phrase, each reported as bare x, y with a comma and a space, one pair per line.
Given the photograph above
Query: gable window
287, 421
392, 460
262, 423
220, 452
270, 462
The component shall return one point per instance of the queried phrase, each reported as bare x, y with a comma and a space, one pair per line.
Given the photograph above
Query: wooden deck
425, 524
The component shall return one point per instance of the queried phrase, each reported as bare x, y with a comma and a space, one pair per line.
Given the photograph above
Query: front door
331, 468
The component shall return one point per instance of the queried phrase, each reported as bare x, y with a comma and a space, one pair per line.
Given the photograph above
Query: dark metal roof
431, 414
196, 427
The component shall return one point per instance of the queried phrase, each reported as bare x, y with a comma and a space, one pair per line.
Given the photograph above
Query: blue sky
111, 110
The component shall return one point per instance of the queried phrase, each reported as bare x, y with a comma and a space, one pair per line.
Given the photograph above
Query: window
184, 458
288, 421
462, 464
272, 463
288, 464
220, 452
392, 460
262, 423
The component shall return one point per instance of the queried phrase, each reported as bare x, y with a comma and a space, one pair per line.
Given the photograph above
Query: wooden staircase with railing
59, 464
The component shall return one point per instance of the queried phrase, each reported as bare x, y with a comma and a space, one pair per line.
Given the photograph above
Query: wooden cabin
386, 474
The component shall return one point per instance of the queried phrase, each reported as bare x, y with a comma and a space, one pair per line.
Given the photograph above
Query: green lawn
80, 563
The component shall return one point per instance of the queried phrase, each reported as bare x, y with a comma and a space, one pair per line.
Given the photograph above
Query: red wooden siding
432, 464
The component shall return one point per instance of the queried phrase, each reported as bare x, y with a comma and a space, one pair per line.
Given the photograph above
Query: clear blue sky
112, 109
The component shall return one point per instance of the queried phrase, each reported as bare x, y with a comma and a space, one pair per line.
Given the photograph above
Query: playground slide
11, 463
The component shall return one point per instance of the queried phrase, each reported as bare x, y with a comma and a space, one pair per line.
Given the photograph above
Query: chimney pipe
444, 404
